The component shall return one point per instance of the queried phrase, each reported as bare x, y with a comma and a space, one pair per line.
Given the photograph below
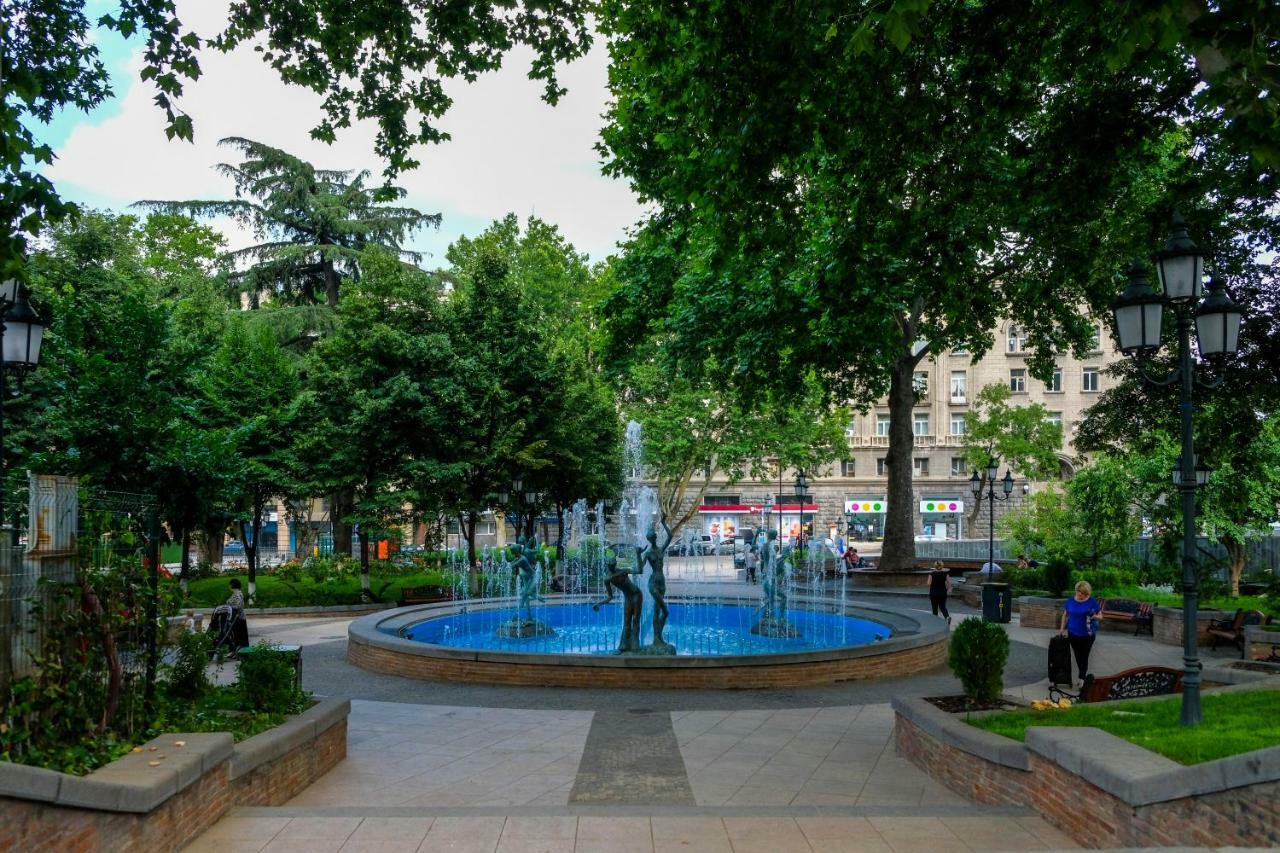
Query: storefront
864, 519
787, 517
724, 521
942, 518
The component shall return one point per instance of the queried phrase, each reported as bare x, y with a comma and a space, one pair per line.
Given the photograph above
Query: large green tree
313, 223
846, 202
375, 411
387, 62
1022, 437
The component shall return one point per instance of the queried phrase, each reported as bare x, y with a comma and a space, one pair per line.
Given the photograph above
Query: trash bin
997, 602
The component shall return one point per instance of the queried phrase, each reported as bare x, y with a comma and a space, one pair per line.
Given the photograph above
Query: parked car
233, 548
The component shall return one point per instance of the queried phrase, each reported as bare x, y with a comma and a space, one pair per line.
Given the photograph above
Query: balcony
959, 400
925, 440
879, 441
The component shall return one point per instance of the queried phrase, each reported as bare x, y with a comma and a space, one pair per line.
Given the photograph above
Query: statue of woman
653, 554
526, 553
632, 602
768, 559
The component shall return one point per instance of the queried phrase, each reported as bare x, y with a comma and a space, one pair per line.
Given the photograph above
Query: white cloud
509, 151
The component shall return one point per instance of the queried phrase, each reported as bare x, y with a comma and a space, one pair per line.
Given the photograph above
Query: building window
1055, 381
920, 383
851, 428
959, 384
1018, 380
959, 467
1089, 379
847, 468
881, 467
1017, 342
957, 425
722, 500
1095, 344
921, 466
920, 423
1054, 418
959, 349
882, 424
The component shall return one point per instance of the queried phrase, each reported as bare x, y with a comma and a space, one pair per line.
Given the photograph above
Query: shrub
1103, 580
977, 657
188, 678
266, 680
1057, 575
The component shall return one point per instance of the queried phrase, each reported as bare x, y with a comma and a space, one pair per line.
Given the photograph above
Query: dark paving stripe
631, 758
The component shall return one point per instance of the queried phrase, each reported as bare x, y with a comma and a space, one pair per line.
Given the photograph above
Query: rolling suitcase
1059, 661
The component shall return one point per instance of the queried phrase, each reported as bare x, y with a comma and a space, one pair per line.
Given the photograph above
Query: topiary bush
978, 653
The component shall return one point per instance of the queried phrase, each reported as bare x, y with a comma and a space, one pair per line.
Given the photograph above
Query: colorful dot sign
865, 506
941, 506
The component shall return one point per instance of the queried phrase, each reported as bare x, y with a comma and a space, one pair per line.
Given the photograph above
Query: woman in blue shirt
1080, 617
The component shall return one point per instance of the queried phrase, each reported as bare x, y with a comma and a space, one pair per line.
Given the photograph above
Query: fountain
701, 631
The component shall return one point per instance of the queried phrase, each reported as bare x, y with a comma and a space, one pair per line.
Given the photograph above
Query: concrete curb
1135, 775
131, 784
953, 731
292, 733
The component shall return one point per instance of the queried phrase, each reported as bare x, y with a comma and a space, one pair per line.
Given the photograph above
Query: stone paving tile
463, 835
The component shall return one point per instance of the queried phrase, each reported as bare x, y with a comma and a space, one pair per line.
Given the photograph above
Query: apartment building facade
849, 495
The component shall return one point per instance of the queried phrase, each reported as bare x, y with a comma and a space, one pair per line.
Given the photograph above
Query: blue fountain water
700, 629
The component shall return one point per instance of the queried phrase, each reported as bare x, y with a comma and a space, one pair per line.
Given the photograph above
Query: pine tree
312, 222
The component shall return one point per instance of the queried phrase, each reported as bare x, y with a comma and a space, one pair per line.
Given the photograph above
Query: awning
753, 509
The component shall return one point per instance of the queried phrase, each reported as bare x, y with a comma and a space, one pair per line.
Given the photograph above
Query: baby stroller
229, 630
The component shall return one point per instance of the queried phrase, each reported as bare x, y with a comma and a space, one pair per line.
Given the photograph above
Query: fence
1263, 553
65, 533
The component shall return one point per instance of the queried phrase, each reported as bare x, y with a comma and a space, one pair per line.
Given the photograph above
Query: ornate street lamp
802, 492
1216, 321
21, 334
976, 486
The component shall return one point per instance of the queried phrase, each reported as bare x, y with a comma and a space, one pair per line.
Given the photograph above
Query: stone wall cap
29, 783
1141, 777
294, 732
954, 731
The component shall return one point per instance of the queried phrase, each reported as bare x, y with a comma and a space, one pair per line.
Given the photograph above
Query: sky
510, 152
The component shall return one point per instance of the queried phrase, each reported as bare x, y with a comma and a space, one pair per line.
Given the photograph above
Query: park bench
424, 595
954, 565
1140, 613
1130, 684
1232, 629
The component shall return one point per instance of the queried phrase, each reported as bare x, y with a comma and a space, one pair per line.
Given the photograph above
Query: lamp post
975, 485
1139, 315
21, 334
802, 492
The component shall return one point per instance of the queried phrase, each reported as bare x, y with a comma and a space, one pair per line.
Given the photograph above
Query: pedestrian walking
939, 587
1080, 616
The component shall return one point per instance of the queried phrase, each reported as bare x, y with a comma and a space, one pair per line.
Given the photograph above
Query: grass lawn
1233, 723
1268, 605
276, 592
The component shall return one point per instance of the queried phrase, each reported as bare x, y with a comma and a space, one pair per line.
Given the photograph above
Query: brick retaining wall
1167, 625
128, 806
1245, 815
795, 674
1037, 612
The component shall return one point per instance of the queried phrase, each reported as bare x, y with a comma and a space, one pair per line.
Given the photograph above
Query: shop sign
865, 505
942, 506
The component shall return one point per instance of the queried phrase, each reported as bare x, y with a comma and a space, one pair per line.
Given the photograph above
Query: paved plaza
436, 767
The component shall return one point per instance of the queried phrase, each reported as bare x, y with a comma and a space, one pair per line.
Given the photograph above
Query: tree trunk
1237, 558
560, 538
364, 564
339, 508
330, 286
185, 571
898, 552
467, 524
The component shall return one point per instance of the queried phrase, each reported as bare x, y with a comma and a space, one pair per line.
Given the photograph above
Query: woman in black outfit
939, 586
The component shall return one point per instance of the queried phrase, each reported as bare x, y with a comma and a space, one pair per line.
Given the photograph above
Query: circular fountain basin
715, 648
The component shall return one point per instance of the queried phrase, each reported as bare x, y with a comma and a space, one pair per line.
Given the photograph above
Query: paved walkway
621, 771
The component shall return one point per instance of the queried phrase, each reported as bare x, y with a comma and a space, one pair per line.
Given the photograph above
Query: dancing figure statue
773, 573
523, 625
632, 602
652, 555
527, 566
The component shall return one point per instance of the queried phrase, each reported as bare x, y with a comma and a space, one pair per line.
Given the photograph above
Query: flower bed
164, 796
